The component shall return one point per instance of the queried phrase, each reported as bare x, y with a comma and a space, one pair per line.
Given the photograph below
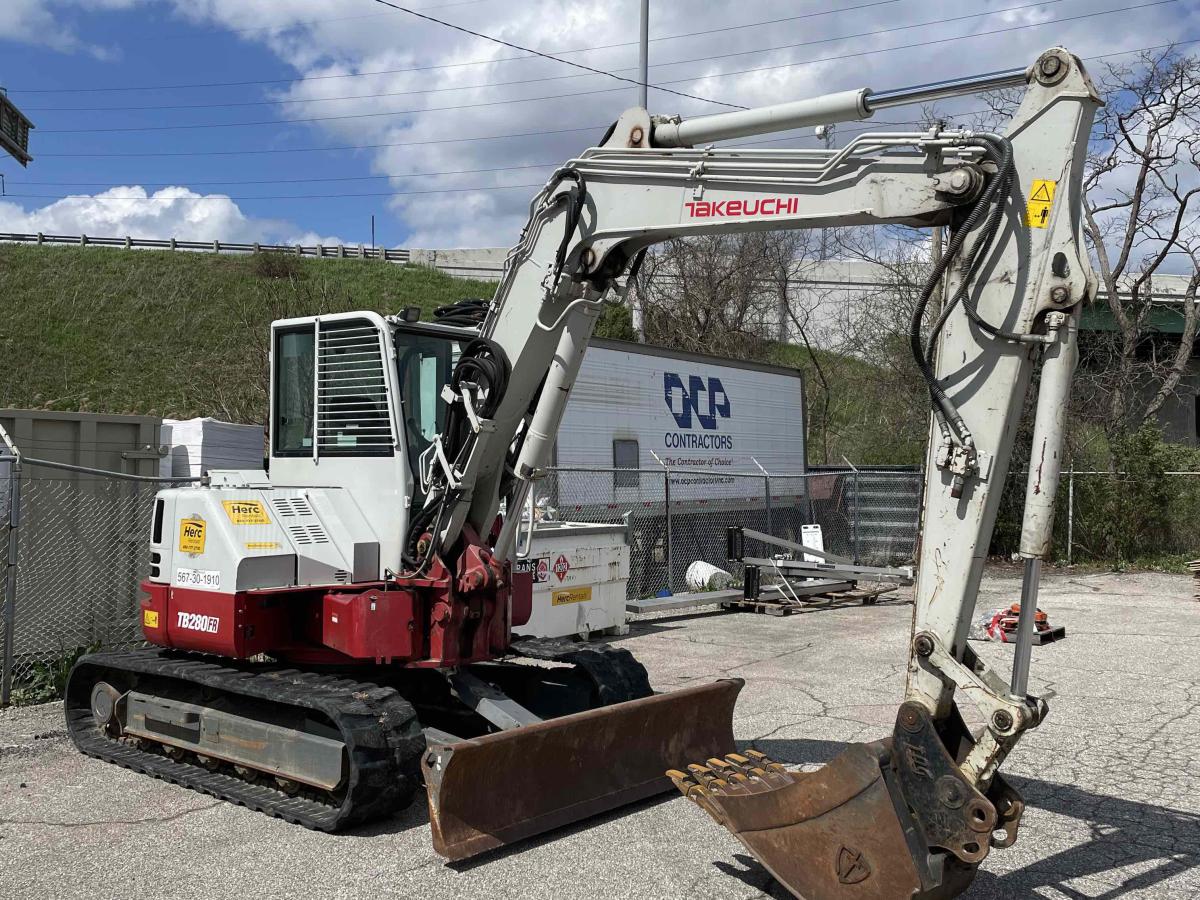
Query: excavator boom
915, 814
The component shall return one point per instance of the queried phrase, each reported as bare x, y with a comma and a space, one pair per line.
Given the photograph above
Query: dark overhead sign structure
14, 131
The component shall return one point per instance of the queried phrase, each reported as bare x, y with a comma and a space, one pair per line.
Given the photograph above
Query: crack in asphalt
148, 820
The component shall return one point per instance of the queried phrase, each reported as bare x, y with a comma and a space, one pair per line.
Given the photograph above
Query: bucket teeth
735, 775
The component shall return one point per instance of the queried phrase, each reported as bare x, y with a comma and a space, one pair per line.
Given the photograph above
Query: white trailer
633, 402
708, 421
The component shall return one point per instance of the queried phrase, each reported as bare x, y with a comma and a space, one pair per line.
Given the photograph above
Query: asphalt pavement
1112, 778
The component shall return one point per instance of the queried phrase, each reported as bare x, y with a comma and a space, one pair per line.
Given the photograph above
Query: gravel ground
1112, 777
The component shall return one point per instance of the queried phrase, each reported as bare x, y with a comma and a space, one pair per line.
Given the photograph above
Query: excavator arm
914, 814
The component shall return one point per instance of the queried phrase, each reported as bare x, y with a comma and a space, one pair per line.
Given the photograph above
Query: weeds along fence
1112, 517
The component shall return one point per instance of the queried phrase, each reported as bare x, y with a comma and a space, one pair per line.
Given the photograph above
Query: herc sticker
246, 512
191, 536
1037, 207
571, 595
150, 618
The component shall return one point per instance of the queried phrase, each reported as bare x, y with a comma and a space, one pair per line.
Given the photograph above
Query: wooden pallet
785, 606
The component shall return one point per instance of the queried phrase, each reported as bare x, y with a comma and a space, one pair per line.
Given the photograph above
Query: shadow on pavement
1124, 833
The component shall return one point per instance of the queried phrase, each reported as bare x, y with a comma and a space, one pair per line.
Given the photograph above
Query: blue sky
60, 58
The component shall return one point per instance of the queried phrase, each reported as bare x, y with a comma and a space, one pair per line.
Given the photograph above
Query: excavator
329, 633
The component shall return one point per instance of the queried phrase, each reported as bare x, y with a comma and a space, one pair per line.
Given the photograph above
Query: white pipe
1049, 425
847, 106
543, 427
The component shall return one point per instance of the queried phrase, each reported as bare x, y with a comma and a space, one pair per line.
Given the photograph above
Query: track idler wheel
890, 819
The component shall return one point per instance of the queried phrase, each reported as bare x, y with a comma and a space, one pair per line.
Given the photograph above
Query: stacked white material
196, 446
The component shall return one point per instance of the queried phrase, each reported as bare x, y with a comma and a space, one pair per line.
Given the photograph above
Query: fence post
854, 521
767, 487
1070, 510
670, 530
10, 580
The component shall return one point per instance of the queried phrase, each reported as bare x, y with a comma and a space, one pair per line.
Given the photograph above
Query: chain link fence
1111, 517
81, 544
678, 516
82, 554
8, 571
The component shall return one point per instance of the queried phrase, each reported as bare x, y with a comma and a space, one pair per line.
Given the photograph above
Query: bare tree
706, 294
1141, 186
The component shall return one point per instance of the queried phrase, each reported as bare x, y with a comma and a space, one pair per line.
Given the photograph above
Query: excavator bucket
890, 819
490, 791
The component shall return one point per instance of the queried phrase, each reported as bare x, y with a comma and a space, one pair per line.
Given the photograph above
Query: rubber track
383, 739
617, 675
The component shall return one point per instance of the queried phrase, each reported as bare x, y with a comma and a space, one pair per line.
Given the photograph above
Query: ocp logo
706, 399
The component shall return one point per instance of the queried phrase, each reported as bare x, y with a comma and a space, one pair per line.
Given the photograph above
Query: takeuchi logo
724, 209
701, 400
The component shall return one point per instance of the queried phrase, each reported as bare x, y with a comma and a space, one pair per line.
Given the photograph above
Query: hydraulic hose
464, 314
991, 204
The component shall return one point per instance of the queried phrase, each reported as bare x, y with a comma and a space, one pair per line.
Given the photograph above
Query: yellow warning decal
191, 536
150, 618
1037, 207
246, 512
262, 545
571, 595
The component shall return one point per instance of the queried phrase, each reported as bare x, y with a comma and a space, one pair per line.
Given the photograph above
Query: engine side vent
353, 414
290, 507
341, 576
308, 534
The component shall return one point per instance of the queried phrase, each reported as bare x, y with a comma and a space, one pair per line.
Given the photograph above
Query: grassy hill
178, 334
175, 334
185, 334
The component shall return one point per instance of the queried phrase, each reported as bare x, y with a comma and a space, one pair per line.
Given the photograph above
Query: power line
353, 147
565, 62
179, 182
90, 198
494, 84
480, 62
405, 112
255, 29
373, 115
182, 182
336, 149
929, 43
311, 119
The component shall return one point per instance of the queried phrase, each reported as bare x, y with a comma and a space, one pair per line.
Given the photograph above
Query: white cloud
317, 39
173, 212
45, 23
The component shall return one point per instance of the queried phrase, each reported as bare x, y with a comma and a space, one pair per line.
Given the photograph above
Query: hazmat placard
246, 512
1039, 204
571, 595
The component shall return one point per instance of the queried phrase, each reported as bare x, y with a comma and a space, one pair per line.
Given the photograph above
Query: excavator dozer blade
890, 819
493, 790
